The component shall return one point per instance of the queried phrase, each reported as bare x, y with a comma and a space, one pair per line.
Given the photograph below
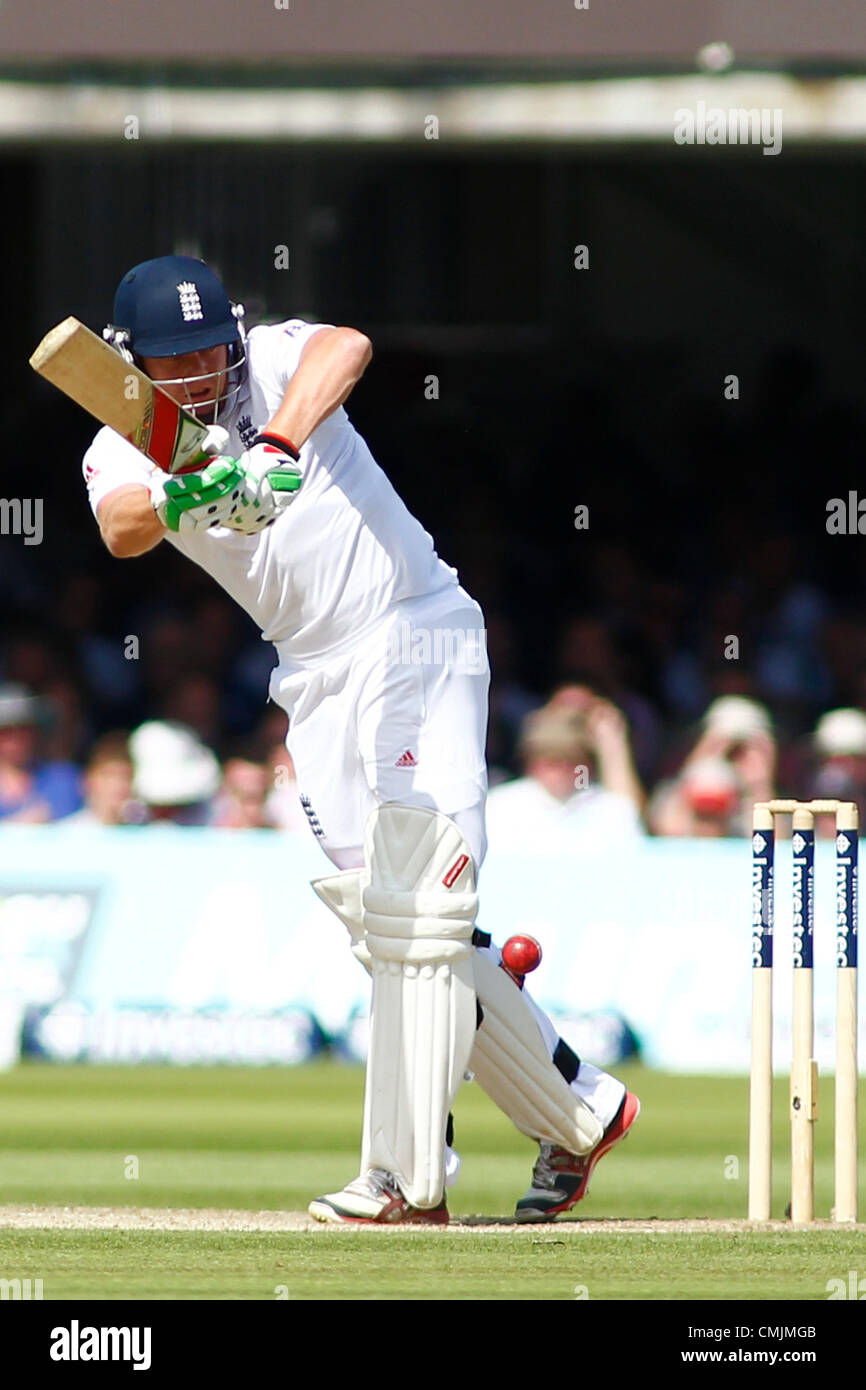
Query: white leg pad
419, 908
512, 1064
510, 1059
342, 893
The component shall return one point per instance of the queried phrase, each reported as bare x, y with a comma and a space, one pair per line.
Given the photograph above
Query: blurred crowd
162, 771
172, 723
579, 778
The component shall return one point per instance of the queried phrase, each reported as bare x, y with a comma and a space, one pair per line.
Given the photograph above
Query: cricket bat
117, 393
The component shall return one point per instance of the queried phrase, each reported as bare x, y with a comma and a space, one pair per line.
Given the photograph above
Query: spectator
736, 734
608, 733
271, 729
67, 731
102, 657
588, 655
32, 790
241, 803
703, 801
34, 657
789, 666
108, 798
175, 774
166, 657
839, 774
196, 702
560, 801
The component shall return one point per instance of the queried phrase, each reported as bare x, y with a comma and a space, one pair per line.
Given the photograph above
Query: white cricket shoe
375, 1197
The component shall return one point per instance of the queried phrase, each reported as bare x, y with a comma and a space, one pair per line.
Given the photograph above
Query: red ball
521, 954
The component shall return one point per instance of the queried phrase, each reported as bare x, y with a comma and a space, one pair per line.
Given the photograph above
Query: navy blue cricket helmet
173, 305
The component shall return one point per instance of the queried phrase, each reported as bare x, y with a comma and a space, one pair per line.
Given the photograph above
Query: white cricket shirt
338, 558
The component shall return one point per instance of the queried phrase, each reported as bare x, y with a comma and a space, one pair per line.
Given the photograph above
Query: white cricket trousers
402, 717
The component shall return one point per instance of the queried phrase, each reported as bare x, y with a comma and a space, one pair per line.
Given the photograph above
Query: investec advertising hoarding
202, 945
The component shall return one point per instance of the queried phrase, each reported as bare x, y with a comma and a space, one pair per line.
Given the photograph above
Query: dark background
558, 387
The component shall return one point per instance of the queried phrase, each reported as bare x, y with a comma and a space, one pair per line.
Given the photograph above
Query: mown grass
271, 1139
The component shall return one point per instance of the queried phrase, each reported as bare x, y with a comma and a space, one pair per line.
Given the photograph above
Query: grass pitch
266, 1141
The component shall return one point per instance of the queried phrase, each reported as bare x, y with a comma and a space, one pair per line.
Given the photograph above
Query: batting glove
244, 495
271, 466
216, 496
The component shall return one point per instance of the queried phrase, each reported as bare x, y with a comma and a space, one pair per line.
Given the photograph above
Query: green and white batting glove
271, 466
244, 495
218, 495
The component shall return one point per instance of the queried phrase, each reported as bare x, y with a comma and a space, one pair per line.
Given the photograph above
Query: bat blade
95, 376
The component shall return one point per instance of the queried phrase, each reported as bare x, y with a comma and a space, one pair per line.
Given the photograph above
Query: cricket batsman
381, 668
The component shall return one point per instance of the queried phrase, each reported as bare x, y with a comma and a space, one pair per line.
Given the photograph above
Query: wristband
278, 442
